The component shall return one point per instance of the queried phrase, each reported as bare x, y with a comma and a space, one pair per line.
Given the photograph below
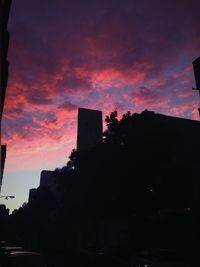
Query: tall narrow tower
89, 128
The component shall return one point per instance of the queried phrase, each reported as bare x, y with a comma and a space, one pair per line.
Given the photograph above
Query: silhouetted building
32, 194
89, 128
4, 41
170, 154
47, 179
155, 174
4, 212
49, 184
3, 157
196, 67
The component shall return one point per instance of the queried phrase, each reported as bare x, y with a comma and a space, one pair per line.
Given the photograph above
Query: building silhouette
134, 193
89, 128
4, 42
32, 194
89, 134
47, 180
4, 212
3, 158
196, 67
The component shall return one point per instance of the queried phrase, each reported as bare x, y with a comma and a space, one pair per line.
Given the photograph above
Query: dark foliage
140, 177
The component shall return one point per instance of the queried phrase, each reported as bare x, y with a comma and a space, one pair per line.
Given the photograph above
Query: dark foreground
114, 256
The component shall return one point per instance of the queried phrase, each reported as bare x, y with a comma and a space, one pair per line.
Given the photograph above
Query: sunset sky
100, 54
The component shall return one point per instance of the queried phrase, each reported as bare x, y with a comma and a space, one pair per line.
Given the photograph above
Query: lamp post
7, 197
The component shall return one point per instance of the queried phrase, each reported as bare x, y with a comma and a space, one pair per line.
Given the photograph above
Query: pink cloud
105, 56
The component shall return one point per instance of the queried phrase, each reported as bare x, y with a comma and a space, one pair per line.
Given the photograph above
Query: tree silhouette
138, 174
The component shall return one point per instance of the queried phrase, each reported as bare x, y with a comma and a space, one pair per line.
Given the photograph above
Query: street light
7, 197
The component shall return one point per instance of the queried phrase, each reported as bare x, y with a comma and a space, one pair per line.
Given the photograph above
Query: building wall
89, 128
4, 40
32, 194
196, 66
47, 179
3, 158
